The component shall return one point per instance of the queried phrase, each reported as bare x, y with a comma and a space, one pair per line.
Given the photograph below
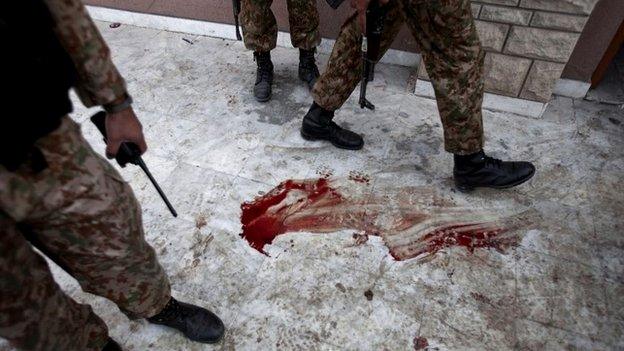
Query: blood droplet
420, 343
359, 177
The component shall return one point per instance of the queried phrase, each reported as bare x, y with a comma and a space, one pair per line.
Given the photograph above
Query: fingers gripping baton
236, 7
371, 48
130, 153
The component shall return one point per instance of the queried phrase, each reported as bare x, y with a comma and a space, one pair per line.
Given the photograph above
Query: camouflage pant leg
344, 68
82, 211
446, 34
304, 21
259, 25
35, 314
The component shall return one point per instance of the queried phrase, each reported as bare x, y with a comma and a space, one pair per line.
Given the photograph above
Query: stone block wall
528, 43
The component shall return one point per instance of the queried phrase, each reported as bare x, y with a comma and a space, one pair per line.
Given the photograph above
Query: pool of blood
315, 206
265, 217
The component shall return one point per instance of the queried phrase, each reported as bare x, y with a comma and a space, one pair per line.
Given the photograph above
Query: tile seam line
185, 162
560, 258
518, 7
526, 79
522, 25
574, 332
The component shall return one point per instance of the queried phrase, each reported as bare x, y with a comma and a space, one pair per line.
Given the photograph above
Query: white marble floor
213, 147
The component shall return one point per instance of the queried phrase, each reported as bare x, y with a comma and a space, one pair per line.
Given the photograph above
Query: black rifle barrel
366, 71
371, 48
236, 8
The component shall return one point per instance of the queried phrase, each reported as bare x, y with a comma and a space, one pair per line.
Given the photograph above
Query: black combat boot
196, 323
318, 125
479, 170
264, 76
111, 345
308, 71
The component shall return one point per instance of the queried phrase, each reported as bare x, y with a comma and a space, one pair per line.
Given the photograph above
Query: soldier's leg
84, 216
260, 35
304, 34
304, 21
259, 25
344, 68
343, 72
35, 314
90, 220
452, 53
453, 56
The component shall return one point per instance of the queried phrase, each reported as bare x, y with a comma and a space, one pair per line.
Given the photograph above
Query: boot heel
307, 136
463, 186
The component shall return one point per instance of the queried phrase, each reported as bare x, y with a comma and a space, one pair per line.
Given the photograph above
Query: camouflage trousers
84, 216
260, 27
446, 34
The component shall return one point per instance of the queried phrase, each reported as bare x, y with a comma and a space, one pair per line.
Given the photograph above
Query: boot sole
466, 188
309, 137
265, 99
213, 341
216, 341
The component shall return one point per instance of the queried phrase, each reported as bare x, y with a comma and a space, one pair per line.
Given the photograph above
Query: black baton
130, 153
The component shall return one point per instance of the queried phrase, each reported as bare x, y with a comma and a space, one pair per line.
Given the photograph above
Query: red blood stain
265, 218
315, 206
470, 236
325, 172
359, 177
420, 343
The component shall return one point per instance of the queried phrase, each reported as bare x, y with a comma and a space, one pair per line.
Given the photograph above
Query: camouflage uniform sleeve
99, 82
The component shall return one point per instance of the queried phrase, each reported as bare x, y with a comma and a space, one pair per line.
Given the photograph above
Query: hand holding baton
130, 153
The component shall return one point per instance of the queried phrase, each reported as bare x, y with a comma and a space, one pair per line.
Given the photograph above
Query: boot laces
264, 66
493, 162
334, 129
307, 56
264, 72
307, 61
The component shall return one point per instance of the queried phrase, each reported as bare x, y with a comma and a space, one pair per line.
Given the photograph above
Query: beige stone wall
528, 43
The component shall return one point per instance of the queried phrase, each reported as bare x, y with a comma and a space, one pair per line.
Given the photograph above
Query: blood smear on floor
413, 222
420, 343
